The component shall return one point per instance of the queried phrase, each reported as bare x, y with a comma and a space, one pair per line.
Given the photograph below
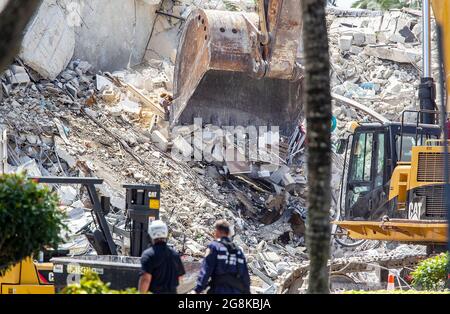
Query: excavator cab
376, 149
240, 69
384, 183
400, 195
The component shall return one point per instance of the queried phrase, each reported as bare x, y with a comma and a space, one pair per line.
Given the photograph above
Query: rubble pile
81, 122
109, 125
376, 61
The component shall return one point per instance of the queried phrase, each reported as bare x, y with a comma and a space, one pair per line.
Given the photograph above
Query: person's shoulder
173, 250
214, 245
148, 252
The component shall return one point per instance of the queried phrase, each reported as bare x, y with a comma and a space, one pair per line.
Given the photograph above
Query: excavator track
293, 281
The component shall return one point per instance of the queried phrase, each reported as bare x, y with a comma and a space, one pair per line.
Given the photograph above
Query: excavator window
380, 151
362, 159
408, 141
367, 171
405, 143
361, 167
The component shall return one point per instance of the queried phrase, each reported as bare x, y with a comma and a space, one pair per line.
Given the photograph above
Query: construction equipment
142, 203
240, 69
121, 272
393, 188
28, 277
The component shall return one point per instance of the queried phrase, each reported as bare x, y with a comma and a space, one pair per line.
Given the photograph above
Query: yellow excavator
393, 187
28, 277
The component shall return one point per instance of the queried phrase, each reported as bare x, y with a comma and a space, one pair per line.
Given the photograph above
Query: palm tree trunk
317, 101
13, 20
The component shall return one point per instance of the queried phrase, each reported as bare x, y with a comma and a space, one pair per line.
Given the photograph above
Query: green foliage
29, 219
90, 283
379, 4
431, 273
396, 292
230, 6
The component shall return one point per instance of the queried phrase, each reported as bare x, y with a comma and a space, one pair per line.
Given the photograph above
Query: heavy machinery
28, 277
393, 189
393, 186
240, 69
40, 277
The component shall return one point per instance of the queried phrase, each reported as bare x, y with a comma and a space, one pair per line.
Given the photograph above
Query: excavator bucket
227, 77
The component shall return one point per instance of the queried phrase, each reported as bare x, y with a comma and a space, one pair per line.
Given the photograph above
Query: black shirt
165, 266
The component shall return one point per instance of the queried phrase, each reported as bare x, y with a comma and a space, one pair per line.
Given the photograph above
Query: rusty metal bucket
226, 77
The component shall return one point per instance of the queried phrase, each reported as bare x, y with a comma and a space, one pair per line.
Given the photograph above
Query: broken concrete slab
238, 167
160, 140
278, 175
49, 41
31, 168
270, 256
182, 148
359, 38
130, 107
131, 23
370, 38
102, 82
17, 75
63, 153
356, 50
345, 42
401, 55
67, 195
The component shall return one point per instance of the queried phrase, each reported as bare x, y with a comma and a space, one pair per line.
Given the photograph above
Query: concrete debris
130, 107
380, 74
49, 41
31, 168
89, 123
182, 148
160, 140
400, 55
67, 195
17, 75
102, 82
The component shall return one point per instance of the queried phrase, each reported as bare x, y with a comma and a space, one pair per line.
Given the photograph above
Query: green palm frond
379, 4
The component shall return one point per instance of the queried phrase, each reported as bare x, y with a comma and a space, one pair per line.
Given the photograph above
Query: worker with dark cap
224, 268
161, 265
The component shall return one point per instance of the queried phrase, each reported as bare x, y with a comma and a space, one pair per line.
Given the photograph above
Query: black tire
351, 243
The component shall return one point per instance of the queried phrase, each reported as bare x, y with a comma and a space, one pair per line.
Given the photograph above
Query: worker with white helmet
161, 265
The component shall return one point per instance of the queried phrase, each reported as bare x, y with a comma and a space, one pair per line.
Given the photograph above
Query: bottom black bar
229, 304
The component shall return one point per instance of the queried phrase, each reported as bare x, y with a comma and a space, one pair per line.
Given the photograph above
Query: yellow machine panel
421, 231
24, 278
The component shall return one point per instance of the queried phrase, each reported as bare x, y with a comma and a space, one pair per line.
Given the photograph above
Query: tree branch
13, 20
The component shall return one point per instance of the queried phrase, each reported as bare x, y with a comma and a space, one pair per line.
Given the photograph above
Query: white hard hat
158, 230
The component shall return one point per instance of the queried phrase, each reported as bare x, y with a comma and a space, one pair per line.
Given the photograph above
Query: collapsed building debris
55, 132
70, 119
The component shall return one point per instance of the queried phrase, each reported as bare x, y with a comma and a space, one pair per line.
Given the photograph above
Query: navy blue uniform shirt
165, 266
219, 262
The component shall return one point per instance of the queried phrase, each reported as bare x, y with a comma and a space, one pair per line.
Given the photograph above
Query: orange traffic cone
391, 282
